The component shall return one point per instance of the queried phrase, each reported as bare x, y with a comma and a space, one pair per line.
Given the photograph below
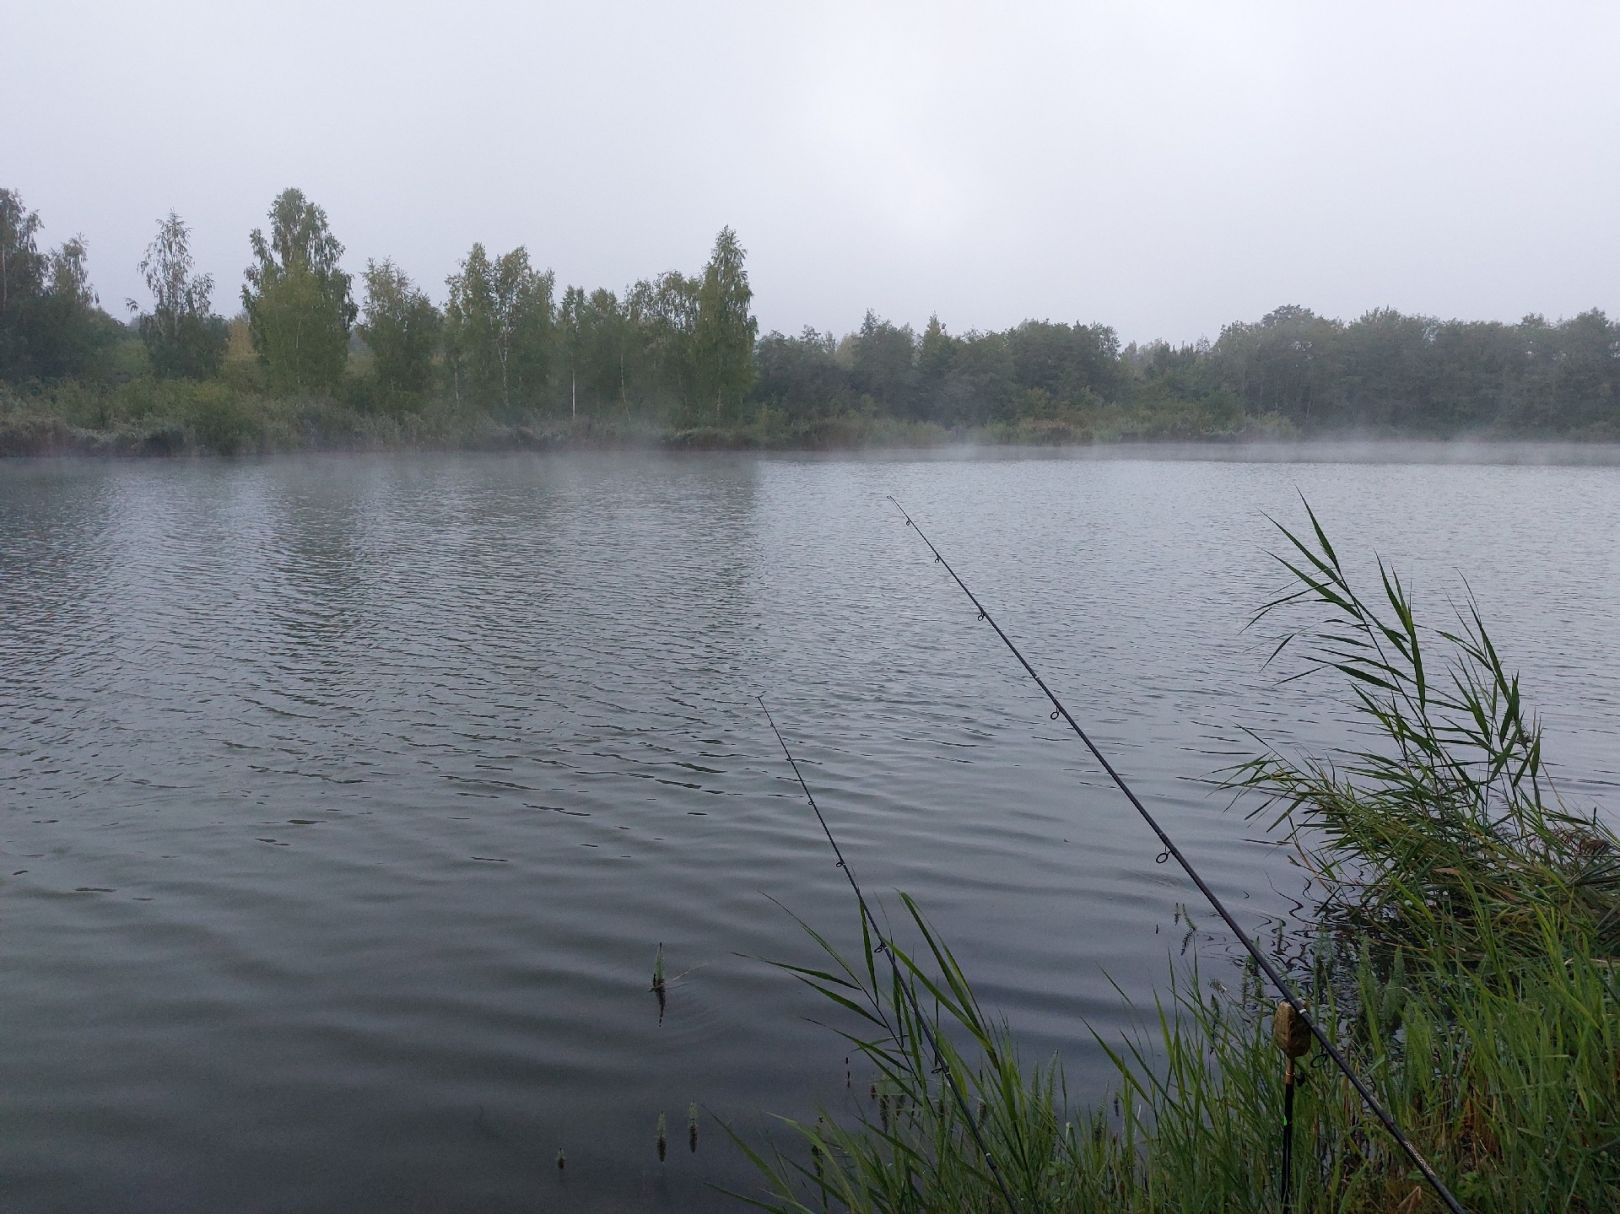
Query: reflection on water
344, 802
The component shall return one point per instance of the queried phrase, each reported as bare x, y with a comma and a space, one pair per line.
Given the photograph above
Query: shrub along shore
170, 418
1465, 957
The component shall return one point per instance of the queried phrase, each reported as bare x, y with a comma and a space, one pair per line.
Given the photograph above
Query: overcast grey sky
1162, 167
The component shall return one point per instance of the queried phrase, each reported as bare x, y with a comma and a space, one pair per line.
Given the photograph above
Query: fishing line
883, 946
1171, 851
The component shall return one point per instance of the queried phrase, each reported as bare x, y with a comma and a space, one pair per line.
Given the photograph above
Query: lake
345, 801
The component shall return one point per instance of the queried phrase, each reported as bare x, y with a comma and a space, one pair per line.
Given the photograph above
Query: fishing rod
883, 946
1284, 987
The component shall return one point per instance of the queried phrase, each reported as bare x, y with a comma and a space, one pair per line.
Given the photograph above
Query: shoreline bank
27, 433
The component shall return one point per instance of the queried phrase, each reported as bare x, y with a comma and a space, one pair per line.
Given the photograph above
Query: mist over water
345, 801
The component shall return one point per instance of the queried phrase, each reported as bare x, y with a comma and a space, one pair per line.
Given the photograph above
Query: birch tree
401, 327
182, 335
499, 324
725, 326
297, 297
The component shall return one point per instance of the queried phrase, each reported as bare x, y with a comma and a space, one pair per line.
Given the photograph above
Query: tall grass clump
1463, 959
1448, 822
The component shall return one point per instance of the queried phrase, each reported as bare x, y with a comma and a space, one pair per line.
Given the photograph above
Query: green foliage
603, 344
801, 375
297, 297
724, 334
220, 422
882, 360
51, 324
401, 327
605, 347
498, 328
1065, 361
1392, 373
297, 334
183, 337
1502, 1072
22, 282
664, 315
571, 341
981, 378
192, 346
1453, 816
68, 331
683, 351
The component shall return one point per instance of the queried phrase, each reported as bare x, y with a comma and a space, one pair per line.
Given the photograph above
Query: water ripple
345, 802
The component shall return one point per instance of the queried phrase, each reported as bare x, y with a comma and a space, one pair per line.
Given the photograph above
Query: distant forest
315, 359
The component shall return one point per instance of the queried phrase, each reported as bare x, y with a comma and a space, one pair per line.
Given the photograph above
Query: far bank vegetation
503, 355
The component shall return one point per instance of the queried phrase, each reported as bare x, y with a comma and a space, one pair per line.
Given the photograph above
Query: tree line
504, 340
684, 350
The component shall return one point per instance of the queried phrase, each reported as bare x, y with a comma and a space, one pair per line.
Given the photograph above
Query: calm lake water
344, 801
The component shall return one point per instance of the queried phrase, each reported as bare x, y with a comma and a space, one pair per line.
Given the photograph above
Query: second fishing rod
903, 983
1171, 851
